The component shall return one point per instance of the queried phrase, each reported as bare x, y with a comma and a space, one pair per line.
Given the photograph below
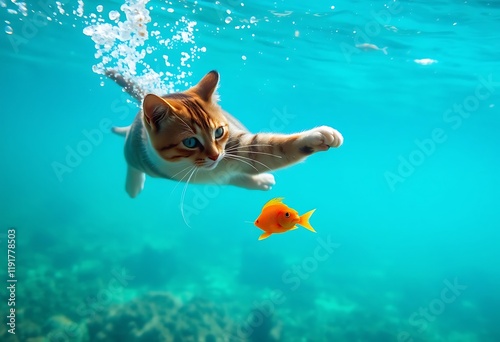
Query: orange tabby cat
188, 137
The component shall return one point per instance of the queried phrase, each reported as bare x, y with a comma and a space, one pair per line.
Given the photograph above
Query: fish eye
190, 142
219, 132
287, 214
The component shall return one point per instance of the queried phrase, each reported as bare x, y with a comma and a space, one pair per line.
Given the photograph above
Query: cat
186, 136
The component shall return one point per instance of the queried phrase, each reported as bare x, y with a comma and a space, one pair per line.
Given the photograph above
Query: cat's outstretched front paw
262, 181
320, 139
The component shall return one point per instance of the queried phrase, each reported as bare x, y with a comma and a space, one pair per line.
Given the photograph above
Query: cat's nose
213, 157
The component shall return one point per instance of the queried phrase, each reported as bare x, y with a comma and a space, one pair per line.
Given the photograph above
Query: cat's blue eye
219, 132
190, 142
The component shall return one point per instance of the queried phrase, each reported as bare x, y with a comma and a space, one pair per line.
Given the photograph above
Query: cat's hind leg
135, 181
262, 181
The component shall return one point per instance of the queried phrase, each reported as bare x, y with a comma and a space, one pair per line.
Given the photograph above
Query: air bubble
21, 6
114, 15
228, 20
244, 58
99, 8
8, 29
88, 31
253, 20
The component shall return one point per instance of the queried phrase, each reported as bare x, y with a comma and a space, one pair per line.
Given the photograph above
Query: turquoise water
407, 209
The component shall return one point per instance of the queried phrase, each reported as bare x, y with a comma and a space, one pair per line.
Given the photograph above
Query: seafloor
84, 290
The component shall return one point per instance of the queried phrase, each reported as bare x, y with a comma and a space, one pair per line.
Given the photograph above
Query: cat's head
188, 126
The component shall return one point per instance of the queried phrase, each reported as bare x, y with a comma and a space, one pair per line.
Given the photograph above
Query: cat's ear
155, 109
207, 86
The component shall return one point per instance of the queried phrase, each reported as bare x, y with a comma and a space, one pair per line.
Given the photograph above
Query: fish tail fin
122, 131
384, 50
304, 220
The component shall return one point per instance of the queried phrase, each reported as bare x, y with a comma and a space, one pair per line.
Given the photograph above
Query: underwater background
407, 214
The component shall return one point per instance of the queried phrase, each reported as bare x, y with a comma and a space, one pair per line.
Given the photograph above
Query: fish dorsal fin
265, 236
274, 201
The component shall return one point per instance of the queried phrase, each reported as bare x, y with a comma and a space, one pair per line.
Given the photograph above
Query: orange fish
276, 217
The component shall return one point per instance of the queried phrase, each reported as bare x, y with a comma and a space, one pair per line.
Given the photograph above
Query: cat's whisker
229, 156
185, 124
187, 173
255, 161
184, 194
184, 169
187, 132
252, 145
180, 180
264, 153
245, 146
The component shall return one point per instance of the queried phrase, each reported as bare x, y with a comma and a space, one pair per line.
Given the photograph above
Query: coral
60, 328
262, 326
158, 316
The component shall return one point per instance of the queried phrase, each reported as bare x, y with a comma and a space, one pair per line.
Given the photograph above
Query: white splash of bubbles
88, 31
185, 57
79, 10
60, 7
126, 45
21, 6
121, 41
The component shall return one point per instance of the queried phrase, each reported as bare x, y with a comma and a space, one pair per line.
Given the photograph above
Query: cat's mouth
212, 164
